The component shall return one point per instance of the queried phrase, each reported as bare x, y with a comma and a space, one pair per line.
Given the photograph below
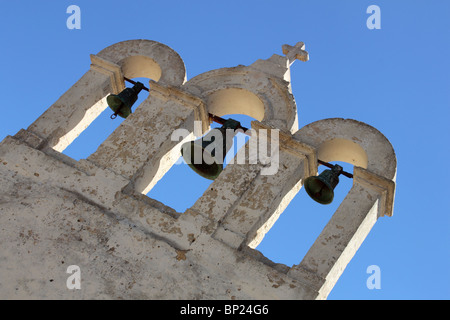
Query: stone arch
351, 141
75, 110
147, 59
245, 90
371, 196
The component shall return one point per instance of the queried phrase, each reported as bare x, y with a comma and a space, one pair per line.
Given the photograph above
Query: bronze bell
121, 103
206, 155
321, 188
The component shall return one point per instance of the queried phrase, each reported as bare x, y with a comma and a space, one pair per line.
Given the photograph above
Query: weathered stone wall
56, 212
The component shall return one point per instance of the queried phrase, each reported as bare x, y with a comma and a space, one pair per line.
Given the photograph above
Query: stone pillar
254, 195
79, 106
141, 148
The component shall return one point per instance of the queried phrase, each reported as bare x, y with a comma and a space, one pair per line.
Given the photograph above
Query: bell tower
94, 213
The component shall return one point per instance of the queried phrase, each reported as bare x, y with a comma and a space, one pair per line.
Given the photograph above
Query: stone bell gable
56, 212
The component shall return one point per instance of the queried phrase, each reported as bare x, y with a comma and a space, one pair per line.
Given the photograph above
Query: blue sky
396, 79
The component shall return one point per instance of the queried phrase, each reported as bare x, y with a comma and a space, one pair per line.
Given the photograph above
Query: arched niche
351, 141
235, 101
245, 90
146, 59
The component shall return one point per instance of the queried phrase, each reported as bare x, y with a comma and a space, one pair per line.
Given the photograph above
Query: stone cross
296, 52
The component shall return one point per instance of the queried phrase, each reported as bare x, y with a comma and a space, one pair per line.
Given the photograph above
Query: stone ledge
112, 70
385, 187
